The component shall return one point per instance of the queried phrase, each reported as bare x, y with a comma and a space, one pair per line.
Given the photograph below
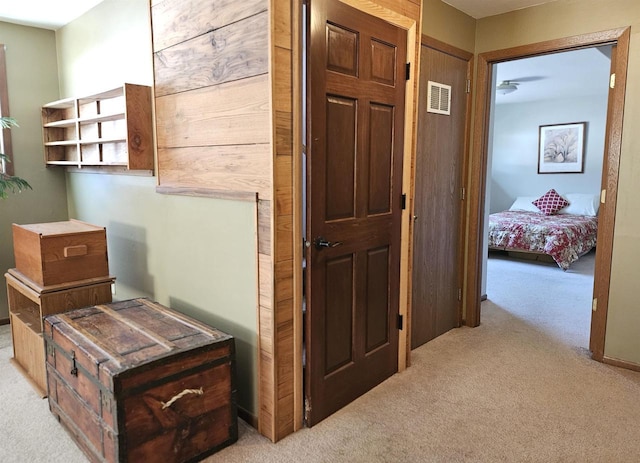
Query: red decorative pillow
550, 202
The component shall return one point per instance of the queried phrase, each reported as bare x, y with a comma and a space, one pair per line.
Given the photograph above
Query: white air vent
439, 98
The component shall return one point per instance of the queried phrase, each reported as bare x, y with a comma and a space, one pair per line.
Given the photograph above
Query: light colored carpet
28, 431
519, 388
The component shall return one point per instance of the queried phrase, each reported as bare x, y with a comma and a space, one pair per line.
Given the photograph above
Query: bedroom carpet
519, 388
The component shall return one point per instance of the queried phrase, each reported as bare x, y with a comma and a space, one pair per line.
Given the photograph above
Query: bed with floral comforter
564, 237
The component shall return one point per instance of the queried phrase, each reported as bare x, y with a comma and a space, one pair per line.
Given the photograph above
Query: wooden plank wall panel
231, 53
285, 361
176, 21
239, 167
214, 123
233, 113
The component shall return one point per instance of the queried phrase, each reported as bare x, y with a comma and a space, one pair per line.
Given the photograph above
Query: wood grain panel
285, 368
282, 25
284, 244
175, 21
404, 13
377, 317
266, 281
383, 57
264, 227
339, 312
284, 282
342, 50
233, 113
266, 330
283, 135
266, 392
380, 159
234, 52
341, 157
282, 101
199, 192
283, 184
232, 167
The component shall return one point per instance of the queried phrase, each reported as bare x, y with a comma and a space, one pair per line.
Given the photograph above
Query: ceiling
482, 8
579, 73
53, 14
46, 14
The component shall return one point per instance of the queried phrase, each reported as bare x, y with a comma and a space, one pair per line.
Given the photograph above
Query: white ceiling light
506, 87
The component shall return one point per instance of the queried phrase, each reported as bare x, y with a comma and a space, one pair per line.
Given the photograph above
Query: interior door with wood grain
356, 88
438, 198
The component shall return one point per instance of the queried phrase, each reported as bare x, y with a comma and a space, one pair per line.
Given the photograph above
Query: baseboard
249, 418
621, 363
483, 297
4, 321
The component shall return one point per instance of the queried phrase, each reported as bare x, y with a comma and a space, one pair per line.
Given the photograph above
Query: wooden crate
29, 303
28, 350
135, 381
60, 252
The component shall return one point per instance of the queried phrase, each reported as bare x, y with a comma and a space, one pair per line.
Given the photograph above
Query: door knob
321, 243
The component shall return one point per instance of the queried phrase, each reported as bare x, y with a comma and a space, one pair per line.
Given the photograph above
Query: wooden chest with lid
60, 252
135, 381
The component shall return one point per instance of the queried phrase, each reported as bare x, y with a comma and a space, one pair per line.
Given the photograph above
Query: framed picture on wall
561, 148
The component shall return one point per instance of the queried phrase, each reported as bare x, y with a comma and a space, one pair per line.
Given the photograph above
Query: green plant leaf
9, 183
8, 122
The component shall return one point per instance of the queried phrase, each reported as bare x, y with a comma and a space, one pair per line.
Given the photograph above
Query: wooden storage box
29, 303
134, 381
60, 252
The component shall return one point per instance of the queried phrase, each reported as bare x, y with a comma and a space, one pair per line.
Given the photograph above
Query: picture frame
561, 148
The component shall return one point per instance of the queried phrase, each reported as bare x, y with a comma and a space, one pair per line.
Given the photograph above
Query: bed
565, 236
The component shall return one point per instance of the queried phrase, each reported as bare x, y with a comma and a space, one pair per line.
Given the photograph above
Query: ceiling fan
506, 87
509, 86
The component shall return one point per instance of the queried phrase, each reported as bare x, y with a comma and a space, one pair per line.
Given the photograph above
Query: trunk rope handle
180, 395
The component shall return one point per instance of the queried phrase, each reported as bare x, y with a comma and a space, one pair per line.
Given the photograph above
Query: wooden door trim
613, 145
446, 48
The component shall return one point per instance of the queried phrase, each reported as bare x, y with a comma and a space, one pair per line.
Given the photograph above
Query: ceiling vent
439, 98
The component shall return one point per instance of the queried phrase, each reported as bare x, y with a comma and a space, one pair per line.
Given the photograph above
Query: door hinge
408, 71
459, 294
400, 322
403, 201
594, 304
462, 193
612, 81
603, 196
468, 86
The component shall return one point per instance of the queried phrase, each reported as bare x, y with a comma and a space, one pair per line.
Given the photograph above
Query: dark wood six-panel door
354, 182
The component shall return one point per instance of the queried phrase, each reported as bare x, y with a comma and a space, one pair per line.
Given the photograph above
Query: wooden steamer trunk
134, 381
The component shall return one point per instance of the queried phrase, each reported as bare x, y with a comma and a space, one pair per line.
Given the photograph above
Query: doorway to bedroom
546, 140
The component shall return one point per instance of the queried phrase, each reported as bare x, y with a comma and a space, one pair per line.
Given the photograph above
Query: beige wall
196, 255
445, 23
32, 80
565, 18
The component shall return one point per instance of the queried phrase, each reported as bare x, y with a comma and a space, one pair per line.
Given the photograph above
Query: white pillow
524, 203
581, 204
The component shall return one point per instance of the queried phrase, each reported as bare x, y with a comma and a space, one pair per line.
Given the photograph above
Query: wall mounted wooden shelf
106, 132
